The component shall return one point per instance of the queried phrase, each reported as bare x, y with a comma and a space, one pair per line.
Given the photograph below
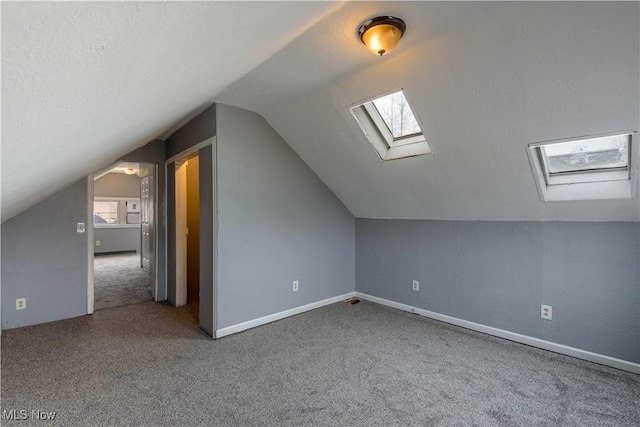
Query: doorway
191, 232
123, 236
187, 206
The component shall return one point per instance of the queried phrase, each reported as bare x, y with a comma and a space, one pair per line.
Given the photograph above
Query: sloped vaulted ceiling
85, 82
486, 80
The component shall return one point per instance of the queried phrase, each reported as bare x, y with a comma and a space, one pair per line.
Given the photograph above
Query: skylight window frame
588, 184
380, 136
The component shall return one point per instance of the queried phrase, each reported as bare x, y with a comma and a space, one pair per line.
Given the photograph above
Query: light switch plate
81, 227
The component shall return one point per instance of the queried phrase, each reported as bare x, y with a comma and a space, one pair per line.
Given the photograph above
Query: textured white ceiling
84, 83
486, 79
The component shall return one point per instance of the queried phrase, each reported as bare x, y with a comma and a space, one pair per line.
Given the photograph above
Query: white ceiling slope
84, 83
486, 79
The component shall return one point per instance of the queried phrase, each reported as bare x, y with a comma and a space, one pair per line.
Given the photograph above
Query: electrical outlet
97, 242
416, 286
80, 227
546, 312
21, 303
295, 286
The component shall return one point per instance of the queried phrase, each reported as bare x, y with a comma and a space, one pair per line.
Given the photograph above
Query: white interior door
181, 233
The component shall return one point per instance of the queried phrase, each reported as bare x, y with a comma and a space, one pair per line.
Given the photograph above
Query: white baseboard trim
512, 336
281, 315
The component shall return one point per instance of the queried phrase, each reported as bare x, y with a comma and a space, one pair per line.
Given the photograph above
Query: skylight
610, 152
397, 115
391, 126
599, 167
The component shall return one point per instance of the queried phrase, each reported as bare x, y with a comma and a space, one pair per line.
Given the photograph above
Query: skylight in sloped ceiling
611, 152
599, 167
397, 115
391, 126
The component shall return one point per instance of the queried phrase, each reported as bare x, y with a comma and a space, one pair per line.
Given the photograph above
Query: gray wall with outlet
44, 260
500, 274
277, 223
116, 239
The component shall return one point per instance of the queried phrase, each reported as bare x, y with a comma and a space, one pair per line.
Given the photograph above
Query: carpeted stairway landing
340, 365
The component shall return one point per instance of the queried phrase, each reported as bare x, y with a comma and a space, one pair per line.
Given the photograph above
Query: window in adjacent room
391, 126
116, 212
105, 212
586, 168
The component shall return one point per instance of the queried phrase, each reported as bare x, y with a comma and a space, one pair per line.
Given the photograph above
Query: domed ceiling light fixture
382, 33
129, 171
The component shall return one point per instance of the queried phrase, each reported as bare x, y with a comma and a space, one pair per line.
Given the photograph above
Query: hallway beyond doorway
119, 280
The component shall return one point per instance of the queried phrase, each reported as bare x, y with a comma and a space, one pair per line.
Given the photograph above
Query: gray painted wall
117, 185
206, 205
198, 129
152, 152
498, 274
44, 260
277, 222
116, 239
